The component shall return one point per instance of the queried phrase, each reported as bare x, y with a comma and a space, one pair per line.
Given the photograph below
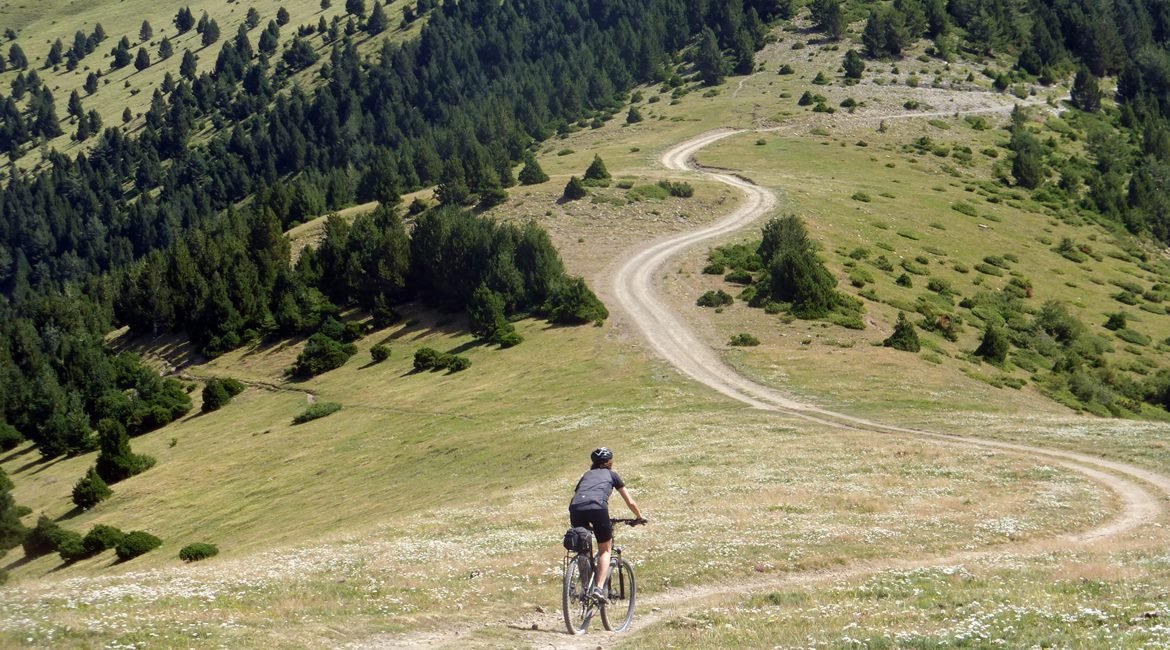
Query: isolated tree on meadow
252, 18
854, 65
189, 66
904, 337
16, 58
90, 490
995, 344
91, 84
74, 107
165, 49
574, 189
355, 7
531, 173
121, 54
282, 16
145, 32
269, 39
127, 115
54, 56
184, 20
210, 33
116, 461
597, 170
142, 61
325, 4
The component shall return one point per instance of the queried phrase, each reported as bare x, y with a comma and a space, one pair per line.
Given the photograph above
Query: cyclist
589, 508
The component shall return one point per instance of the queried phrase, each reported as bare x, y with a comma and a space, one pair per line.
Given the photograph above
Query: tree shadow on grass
71, 514
17, 453
16, 564
43, 462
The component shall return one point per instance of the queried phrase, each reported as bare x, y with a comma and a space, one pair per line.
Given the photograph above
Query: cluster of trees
83, 45
49, 537
58, 379
142, 230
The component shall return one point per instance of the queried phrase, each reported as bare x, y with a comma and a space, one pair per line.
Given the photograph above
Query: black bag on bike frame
579, 540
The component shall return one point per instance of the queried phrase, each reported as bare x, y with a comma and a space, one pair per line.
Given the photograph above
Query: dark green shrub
574, 189
994, 346
218, 392
116, 461
905, 280
682, 190
718, 298
100, 538
135, 543
316, 411
425, 359
508, 339
904, 337
70, 547
198, 551
1117, 321
90, 490
9, 437
596, 170
744, 339
458, 363
739, 276
572, 302
714, 269
988, 269
1136, 338
379, 353
321, 354
43, 538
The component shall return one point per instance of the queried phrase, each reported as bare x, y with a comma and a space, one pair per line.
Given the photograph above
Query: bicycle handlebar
630, 522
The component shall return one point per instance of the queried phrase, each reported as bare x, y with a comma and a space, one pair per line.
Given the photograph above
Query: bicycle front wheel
577, 606
620, 588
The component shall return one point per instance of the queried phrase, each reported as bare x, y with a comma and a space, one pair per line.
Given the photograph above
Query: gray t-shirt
593, 490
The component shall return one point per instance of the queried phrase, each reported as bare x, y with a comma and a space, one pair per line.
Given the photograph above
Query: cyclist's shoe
598, 596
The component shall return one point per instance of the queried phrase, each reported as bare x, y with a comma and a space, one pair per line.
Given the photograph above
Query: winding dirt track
1141, 492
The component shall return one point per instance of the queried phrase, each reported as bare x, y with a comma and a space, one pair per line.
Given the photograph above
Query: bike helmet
601, 454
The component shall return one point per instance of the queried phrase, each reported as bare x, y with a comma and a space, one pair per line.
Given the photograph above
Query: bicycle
578, 605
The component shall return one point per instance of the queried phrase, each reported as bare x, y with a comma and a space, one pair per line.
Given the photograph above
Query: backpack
579, 540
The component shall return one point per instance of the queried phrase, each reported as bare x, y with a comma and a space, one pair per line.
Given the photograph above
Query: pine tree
252, 19
55, 54
127, 115
282, 16
574, 189
121, 54
829, 17
1086, 91
74, 108
355, 7
854, 65
165, 49
12, 532
190, 65
142, 61
90, 490
16, 58
116, 461
904, 337
210, 33
378, 22
531, 173
184, 20
709, 59
145, 32
596, 170
91, 84
995, 344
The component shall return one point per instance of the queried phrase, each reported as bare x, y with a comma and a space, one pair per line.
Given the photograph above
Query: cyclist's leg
604, 532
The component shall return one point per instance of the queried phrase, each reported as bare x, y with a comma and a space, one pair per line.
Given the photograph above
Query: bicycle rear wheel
620, 590
577, 606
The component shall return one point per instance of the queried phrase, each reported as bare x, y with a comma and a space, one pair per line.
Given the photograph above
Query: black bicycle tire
621, 570
571, 603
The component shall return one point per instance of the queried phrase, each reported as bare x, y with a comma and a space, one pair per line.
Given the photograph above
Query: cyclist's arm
630, 502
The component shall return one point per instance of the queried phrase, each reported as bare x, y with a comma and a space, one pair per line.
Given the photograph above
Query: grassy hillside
37, 25
427, 511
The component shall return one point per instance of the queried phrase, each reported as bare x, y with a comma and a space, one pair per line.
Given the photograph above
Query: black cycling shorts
595, 520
